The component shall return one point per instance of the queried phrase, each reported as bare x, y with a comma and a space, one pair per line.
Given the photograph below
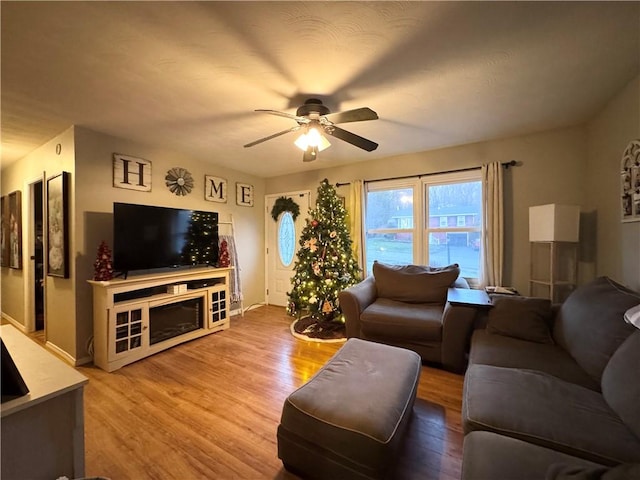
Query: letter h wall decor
131, 173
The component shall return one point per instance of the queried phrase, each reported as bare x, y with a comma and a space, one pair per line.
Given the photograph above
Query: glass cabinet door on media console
127, 326
218, 297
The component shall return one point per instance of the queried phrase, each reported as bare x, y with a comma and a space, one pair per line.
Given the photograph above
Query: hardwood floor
209, 409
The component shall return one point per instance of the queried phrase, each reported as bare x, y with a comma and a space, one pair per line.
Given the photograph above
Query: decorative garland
285, 204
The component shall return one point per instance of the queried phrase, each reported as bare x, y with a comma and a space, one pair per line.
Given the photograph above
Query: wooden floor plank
210, 408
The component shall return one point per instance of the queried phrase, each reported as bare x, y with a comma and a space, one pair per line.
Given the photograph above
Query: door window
286, 238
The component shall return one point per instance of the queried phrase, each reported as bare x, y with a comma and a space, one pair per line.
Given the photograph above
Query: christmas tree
223, 258
201, 246
102, 267
325, 264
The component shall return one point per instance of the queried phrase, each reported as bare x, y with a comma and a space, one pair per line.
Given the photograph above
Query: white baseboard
84, 360
61, 353
15, 323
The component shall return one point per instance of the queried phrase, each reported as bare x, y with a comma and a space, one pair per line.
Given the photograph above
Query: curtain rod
506, 165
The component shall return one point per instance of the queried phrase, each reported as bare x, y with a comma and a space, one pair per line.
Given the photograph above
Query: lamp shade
554, 223
312, 138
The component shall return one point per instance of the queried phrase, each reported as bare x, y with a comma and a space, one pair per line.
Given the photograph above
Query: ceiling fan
314, 118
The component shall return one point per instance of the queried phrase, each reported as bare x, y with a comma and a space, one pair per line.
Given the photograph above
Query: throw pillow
525, 318
414, 283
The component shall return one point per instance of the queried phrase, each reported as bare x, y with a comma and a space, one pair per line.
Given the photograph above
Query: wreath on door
285, 204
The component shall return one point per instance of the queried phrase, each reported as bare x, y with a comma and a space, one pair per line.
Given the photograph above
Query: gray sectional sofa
553, 392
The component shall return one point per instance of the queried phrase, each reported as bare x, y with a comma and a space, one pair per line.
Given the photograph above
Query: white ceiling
186, 76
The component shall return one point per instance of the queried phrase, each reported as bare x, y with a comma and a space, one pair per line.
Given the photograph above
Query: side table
469, 298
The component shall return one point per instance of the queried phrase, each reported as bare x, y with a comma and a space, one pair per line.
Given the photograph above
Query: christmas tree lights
325, 264
201, 247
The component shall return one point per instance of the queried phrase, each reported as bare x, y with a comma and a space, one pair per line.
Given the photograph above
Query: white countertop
45, 375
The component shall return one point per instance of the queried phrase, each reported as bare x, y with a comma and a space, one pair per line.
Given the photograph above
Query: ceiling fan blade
351, 138
292, 129
281, 114
357, 115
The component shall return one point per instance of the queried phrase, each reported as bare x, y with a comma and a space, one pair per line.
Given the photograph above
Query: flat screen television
13, 385
146, 237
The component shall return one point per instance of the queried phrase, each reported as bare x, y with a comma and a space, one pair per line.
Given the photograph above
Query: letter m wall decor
215, 189
131, 173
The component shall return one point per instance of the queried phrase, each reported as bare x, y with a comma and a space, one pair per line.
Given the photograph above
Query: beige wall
60, 293
551, 170
88, 156
95, 195
618, 244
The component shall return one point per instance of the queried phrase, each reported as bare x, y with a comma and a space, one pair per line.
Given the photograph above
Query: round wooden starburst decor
179, 181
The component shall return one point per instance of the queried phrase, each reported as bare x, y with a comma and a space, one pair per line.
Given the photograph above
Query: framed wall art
11, 230
58, 225
4, 231
12, 226
630, 182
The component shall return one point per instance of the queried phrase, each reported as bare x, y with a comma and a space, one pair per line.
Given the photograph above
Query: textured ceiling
186, 76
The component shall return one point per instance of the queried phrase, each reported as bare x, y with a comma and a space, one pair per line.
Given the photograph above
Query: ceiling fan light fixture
312, 138
315, 121
310, 154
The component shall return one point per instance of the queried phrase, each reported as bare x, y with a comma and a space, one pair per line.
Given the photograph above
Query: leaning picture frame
58, 226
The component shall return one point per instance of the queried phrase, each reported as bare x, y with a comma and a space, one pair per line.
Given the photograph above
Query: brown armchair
407, 307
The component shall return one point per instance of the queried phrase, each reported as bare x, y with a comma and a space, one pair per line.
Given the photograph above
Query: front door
283, 237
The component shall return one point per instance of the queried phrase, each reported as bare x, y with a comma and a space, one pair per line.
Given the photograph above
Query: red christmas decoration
223, 257
102, 267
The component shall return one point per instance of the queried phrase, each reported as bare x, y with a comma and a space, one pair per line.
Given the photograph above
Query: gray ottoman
348, 420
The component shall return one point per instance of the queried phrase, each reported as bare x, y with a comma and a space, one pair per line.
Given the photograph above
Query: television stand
138, 316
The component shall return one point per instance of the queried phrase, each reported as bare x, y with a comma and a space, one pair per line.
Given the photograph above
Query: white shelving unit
554, 270
124, 312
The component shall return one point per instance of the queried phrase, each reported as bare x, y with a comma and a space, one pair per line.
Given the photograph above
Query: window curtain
493, 224
354, 208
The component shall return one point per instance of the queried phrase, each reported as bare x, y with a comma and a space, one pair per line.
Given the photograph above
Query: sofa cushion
571, 471
590, 323
501, 351
526, 318
386, 318
544, 410
414, 283
621, 382
488, 455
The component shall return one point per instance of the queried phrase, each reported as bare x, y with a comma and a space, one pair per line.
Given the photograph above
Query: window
389, 225
459, 242
286, 239
435, 220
